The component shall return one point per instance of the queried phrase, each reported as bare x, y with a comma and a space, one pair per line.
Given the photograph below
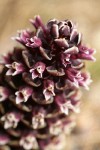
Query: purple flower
74, 76
86, 53
56, 143
11, 119
15, 68
37, 23
23, 35
28, 142
23, 94
86, 80
78, 78
40, 85
65, 59
38, 118
59, 29
37, 70
65, 105
33, 42
4, 139
55, 128
48, 89
68, 126
4, 93
38, 121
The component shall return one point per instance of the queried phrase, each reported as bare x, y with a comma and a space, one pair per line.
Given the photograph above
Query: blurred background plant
14, 15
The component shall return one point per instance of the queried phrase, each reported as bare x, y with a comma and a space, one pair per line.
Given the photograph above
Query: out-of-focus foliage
14, 14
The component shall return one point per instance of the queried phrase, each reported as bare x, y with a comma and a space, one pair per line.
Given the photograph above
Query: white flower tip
18, 31
18, 101
7, 65
94, 51
31, 20
8, 73
13, 38
37, 16
87, 88
7, 125
15, 73
77, 110
94, 59
65, 112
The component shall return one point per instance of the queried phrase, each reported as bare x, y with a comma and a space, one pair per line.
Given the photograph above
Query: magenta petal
86, 57
35, 74
15, 68
65, 59
23, 35
86, 50
68, 106
23, 94
33, 42
11, 119
74, 76
86, 80
65, 105
37, 70
48, 89
37, 23
86, 53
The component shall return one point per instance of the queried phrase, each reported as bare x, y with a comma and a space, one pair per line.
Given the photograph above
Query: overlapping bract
39, 85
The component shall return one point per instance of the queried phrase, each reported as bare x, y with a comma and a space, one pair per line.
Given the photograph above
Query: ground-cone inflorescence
39, 86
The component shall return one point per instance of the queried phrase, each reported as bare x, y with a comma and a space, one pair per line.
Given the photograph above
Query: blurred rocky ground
14, 15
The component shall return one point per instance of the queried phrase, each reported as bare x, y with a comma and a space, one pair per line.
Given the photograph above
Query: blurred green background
14, 15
